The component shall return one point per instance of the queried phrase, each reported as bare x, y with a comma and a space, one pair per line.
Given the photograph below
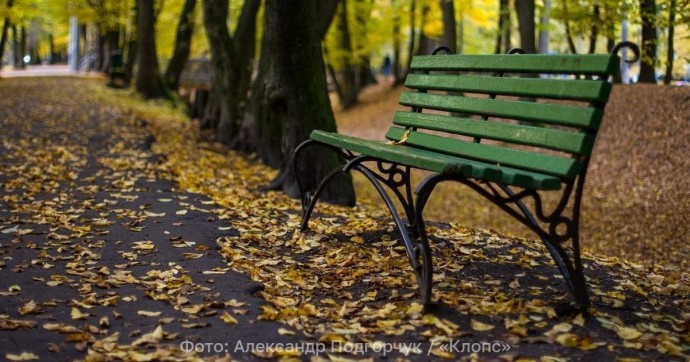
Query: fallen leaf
24, 356
479, 326
146, 313
227, 318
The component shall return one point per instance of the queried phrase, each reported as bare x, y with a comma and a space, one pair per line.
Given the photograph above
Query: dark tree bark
260, 127
326, 12
108, 44
397, 76
347, 81
413, 36
221, 98
648, 61
183, 43
365, 75
525, 13
669, 48
568, 33
149, 83
5, 30
450, 25
230, 63
296, 94
610, 21
131, 48
596, 21
18, 46
244, 42
426, 44
261, 131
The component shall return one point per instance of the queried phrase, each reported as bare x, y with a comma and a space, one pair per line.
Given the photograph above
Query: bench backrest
541, 112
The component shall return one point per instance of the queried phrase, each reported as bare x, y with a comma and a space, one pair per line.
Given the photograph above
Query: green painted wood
565, 115
519, 63
582, 90
537, 162
573, 142
437, 162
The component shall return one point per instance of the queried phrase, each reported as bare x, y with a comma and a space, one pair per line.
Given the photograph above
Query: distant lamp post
73, 48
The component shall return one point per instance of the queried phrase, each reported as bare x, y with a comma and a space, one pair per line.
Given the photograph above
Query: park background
636, 212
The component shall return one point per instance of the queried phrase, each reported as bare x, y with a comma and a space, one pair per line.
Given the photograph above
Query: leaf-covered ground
124, 237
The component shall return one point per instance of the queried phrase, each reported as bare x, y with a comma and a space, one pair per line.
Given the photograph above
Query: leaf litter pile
124, 237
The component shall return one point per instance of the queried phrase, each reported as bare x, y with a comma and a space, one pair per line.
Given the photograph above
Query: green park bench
510, 126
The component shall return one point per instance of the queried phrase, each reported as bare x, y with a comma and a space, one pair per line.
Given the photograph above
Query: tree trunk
229, 64
348, 85
365, 75
544, 28
220, 42
296, 94
669, 48
131, 48
5, 29
183, 43
326, 12
395, 69
568, 33
450, 25
609, 21
244, 42
413, 37
426, 44
108, 45
648, 62
261, 128
149, 83
596, 21
19, 46
261, 132
503, 44
525, 13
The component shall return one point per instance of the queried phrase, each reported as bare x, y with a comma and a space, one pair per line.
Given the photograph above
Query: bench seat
439, 162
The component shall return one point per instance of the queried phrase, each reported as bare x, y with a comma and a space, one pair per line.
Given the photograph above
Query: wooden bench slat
537, 162
560, 140
438, 162
559, 114
520, 63
582, 90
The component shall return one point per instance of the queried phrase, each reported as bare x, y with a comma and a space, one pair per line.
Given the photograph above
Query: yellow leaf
146, 313
404, 137
438, 352
285, 332
25, 356
143, 245
479, 326
148, 338
29, 307
579, 320
227, 318
568, 340
628, 333
77, 314
180, 212
414, 309
357, 239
